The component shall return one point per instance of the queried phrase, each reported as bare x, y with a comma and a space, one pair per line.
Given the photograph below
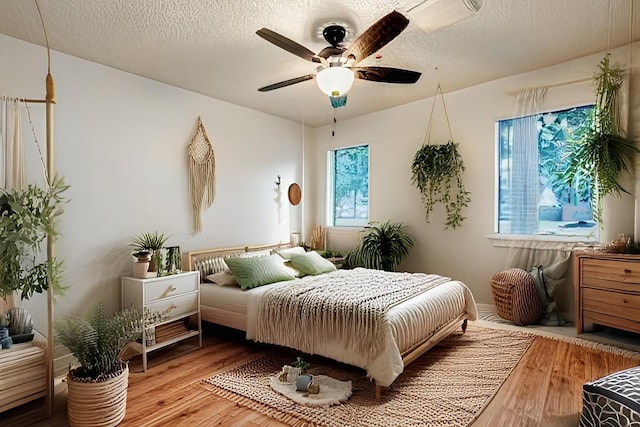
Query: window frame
331, 220
543, 236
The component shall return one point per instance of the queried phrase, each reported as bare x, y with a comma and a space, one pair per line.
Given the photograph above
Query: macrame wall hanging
202, 174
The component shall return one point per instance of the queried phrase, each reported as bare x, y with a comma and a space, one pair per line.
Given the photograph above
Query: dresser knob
625, 301
627, 271
172, 288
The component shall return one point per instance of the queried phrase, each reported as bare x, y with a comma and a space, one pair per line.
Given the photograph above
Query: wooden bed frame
214, 315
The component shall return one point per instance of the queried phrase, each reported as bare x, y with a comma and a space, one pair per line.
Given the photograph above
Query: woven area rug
448, 386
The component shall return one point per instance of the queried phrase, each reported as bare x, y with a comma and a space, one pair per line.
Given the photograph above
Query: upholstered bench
612, 401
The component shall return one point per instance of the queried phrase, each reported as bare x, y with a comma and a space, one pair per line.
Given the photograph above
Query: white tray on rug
332, 391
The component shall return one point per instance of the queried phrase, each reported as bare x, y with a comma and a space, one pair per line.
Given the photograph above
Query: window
534, 197
349, 186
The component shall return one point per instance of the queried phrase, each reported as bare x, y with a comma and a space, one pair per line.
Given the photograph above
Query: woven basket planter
515, 296
98, 404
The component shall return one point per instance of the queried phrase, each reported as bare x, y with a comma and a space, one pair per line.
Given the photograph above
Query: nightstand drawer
180, 305
165, 287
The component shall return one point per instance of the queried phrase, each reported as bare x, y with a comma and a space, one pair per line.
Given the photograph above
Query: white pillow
223, 278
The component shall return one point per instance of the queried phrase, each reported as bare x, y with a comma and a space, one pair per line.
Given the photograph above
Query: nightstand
181, 293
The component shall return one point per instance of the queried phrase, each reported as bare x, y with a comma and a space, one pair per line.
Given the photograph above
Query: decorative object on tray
437, 173
321, 391
381, 247
294, 194
624, 244
202, 174
288, 374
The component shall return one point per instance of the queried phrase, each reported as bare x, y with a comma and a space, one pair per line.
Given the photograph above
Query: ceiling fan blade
386, 74
287, 44
377, 36
286, 83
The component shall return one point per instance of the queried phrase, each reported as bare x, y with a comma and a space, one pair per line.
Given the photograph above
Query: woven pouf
613, 400
93, 404
515, 296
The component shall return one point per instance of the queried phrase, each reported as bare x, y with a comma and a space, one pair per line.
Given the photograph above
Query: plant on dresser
97, 389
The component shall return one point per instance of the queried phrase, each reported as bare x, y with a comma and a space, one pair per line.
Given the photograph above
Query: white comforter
410, 322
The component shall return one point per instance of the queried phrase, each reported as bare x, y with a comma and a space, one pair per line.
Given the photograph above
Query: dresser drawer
611, 274
616, 304
179, 305
165, 287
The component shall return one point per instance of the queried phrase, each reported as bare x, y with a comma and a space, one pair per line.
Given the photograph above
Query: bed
397, 316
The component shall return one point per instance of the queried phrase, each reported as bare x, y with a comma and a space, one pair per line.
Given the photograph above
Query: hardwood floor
545, 389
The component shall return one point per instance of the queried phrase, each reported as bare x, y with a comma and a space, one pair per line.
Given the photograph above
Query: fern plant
605, 153
97, 340
437, 173
381, 247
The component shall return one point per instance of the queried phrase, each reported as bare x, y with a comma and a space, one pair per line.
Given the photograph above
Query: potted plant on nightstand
97, 389
150, 242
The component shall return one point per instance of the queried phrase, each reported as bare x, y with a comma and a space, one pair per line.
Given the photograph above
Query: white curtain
555, 260
525, 183
12, 174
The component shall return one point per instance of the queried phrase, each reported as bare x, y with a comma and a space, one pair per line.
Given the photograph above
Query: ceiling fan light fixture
335, 80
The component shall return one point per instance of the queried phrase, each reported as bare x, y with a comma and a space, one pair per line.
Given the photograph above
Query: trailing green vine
437, 173
605, 153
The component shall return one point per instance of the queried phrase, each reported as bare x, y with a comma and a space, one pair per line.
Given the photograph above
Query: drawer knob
627, 271
172, 288
624, 301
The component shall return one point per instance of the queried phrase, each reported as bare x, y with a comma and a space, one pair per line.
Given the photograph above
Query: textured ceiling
210, 46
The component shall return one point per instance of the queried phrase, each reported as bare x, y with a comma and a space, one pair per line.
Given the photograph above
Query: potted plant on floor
381, 247
97, 388
27, 217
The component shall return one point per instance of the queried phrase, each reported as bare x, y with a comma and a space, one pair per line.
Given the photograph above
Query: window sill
541, 241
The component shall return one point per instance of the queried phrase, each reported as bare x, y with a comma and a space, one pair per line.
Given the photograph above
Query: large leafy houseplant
437, 173
27, 217
381, 247
604, 154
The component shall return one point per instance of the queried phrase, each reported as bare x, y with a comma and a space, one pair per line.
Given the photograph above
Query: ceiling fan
338, 65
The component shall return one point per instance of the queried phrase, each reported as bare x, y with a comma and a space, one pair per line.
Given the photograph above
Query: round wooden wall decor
295, 194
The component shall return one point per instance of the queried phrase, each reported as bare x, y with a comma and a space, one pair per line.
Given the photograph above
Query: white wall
396, 134
121, 145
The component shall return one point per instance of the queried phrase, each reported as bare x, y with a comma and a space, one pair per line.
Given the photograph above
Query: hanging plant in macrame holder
437, 173
202, 174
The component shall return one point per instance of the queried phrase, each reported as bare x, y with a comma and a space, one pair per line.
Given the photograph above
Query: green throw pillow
251, 272
286, 253
312, 263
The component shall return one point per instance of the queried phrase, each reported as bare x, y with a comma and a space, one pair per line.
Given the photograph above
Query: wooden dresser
607, 289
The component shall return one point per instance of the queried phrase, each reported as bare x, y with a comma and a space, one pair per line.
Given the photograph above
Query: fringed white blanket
349, 305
